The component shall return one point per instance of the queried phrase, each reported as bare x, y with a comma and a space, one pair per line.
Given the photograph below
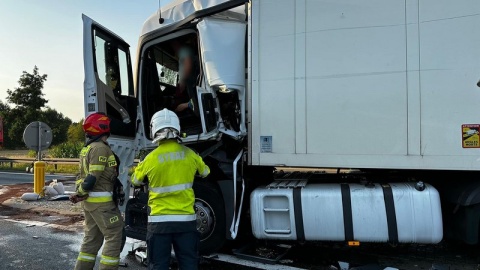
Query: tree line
25, 104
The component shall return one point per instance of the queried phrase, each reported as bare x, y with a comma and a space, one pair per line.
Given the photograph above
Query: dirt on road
55, 212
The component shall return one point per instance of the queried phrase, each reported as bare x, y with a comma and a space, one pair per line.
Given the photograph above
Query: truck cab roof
179, 10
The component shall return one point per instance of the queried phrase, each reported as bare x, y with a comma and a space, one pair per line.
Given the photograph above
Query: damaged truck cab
216, 36
275, 86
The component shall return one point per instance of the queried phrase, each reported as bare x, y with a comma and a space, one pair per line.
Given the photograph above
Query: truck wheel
210, 210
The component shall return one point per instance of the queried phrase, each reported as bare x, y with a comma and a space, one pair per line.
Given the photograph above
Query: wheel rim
205, 219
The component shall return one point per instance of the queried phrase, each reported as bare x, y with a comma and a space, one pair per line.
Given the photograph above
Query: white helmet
164, 125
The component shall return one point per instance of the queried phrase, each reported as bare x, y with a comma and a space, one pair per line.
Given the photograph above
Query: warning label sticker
265, 144
470, 136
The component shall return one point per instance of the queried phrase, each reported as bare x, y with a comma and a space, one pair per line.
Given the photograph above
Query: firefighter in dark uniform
170, 170
95, 187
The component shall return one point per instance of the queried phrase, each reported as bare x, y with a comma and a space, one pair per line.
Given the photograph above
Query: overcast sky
48, 33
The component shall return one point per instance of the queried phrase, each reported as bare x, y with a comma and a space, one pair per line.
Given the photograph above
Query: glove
78, 188
75, 198
121, 197
118, 193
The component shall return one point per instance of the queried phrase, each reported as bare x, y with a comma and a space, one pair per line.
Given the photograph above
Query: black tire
210, 209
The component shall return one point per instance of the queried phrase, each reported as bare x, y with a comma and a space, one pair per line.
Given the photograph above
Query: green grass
16, 166
49, 169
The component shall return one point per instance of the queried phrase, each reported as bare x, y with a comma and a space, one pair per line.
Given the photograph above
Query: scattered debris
59, 198
141, 256
344, 265
30, 225
30, 196
60, 211
262, 254
35, 237
211, 256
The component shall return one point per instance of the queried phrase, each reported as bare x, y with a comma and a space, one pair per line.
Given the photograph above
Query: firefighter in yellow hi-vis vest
95, 187
170, 170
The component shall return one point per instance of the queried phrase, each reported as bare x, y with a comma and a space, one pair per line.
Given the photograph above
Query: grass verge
49, 169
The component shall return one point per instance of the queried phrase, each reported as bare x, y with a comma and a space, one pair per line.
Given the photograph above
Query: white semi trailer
388, 88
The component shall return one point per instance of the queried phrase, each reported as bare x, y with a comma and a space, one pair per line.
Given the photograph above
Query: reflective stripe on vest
166, 218
99, 196
135, 181
205, 172
173, 188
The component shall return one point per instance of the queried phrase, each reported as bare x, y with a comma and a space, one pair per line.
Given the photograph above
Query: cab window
170, 75
115, 83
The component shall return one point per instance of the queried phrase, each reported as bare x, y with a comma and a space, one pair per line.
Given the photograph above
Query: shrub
32, 154
66, 150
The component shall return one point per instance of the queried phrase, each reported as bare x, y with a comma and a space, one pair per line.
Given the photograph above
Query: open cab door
108, 88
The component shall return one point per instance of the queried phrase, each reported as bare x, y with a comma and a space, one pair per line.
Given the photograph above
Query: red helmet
96, 124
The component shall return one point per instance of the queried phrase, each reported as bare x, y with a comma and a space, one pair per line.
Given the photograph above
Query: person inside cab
186, 92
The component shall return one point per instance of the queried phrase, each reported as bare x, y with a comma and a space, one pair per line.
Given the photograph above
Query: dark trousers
185, 245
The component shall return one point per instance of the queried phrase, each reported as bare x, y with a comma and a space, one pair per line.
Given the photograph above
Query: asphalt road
36, 247
9, 178
24, 246
20, 249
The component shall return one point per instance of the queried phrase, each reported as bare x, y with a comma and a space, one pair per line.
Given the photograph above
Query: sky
49, 34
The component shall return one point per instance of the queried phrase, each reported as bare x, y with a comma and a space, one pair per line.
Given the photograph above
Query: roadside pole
39, 165
38, 136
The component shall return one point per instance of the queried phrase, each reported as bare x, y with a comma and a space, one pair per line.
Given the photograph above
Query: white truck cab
385, 87
130, 99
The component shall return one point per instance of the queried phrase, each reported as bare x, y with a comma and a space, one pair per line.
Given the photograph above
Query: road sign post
38, 136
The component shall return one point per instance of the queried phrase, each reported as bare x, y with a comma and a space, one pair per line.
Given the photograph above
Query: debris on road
30, 196
59, 212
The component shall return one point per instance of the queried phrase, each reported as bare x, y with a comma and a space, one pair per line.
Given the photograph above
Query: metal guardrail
53, 161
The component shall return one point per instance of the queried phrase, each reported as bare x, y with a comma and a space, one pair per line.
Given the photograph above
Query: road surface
36, 247
9, 178
32, 245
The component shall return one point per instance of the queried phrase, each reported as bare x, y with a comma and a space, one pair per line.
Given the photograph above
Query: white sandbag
50, 191
30, 196
53, 183
59, 188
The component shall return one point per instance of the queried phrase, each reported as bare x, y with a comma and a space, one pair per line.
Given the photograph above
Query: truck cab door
108, 88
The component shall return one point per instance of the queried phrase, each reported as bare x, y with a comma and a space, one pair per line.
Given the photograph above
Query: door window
114, 83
